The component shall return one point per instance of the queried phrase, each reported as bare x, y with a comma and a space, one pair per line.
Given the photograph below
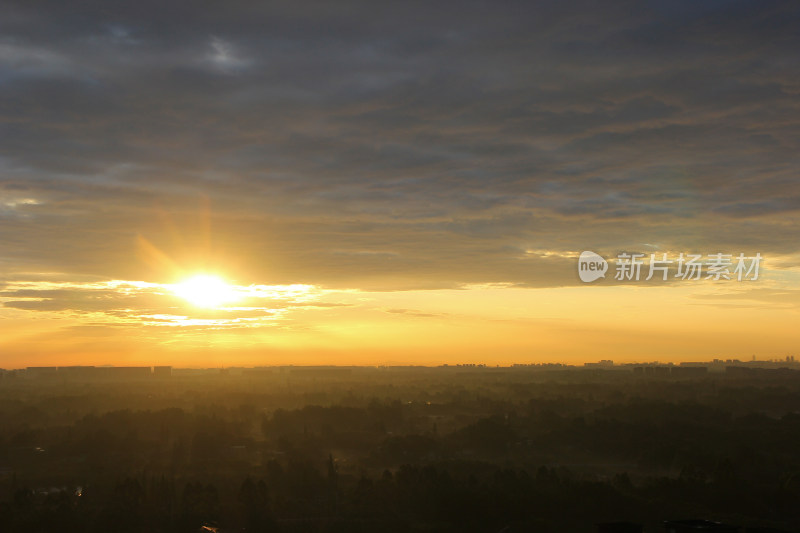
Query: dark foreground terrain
399, 449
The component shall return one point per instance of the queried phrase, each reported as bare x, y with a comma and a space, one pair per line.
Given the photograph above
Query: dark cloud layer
394, 145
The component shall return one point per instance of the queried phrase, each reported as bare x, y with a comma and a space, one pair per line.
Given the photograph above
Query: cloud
136, 303
224, 57
380, 147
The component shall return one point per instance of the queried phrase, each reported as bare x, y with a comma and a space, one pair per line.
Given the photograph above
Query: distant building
689, 371
127, 372
162, 371
605, 363
78, 372
320, 371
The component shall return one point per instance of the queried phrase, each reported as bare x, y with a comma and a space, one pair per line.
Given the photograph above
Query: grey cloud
453, 135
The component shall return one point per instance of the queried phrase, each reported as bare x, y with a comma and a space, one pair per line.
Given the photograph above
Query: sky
395, 182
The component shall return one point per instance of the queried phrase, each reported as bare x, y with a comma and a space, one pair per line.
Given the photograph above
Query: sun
204, 290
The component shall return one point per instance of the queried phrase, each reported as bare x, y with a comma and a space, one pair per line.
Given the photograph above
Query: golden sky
216, 322
398, 185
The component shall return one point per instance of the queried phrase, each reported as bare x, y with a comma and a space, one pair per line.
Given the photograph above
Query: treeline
559, 457
647, 436
454, 496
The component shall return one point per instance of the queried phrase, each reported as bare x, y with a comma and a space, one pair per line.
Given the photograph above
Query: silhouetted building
689, 371
605, 363
77, 372
127, 372
320, 371
662, 371
697, 526
162, 371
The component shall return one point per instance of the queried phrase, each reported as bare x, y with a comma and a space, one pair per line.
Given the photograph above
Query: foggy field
398, 449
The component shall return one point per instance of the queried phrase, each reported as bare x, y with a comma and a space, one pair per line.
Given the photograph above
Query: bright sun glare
205, 290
